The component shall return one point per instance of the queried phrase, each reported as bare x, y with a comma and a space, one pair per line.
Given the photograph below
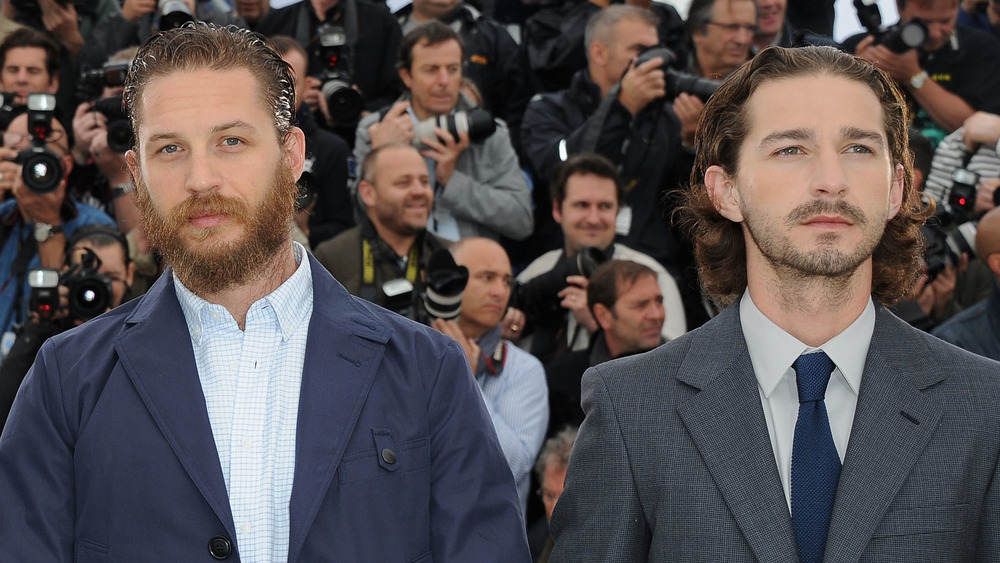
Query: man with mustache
392, 237
246, 407
805, 422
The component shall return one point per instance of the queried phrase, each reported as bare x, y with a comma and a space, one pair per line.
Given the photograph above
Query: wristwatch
45, 231
919, 79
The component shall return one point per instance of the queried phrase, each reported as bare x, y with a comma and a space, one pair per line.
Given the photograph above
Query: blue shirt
16, 232
251, 380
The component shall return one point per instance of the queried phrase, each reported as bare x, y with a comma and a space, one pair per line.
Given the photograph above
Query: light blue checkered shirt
251, 380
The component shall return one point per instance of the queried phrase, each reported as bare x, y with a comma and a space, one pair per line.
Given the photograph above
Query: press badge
623, 223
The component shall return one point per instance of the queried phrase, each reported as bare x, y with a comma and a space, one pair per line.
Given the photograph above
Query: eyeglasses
13, 139
735, 27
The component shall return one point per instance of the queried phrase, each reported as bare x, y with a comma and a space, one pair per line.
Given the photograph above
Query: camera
120, 135
677, 81
539, 298
42, 169
173, 14
89, 291
8, 109
946, 239
342, 100
444, 283
898, 38
478, 123
92, 82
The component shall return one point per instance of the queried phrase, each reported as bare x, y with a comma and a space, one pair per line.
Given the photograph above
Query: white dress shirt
251, 380
772, 351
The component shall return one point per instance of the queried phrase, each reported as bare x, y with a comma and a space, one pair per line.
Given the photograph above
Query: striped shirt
251, 380
948, 156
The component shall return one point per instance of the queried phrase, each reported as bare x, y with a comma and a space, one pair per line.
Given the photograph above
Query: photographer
479, 189
34, 224
101, 135
29, 62
585, 200
511, 380
620, 110
392, 237
139, 19
955, 73
97, 255
363, 38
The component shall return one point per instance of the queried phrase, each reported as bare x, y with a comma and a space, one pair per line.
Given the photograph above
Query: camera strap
368, 289
27, 249
593, 132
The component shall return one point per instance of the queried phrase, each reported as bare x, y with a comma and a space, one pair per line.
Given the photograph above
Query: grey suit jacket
674, 462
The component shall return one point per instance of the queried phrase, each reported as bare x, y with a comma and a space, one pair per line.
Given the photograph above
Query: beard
825, 261
206, 265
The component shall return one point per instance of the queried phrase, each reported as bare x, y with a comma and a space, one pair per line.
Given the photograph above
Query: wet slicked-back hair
199, 45
719, 245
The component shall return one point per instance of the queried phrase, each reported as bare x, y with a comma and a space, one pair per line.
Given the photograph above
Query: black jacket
652, 163
329, 153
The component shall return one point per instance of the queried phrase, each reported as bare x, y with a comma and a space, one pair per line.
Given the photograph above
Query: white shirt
772, 351
251, 380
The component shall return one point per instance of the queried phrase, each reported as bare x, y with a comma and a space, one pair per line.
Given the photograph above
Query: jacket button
388, 456
220, 547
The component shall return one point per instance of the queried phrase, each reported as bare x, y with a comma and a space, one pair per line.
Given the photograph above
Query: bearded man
246, 407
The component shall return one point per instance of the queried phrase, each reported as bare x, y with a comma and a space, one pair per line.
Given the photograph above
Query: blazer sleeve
599, 516
474, 508
36, 470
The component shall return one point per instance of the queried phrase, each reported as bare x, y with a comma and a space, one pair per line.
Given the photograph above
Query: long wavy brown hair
719, 245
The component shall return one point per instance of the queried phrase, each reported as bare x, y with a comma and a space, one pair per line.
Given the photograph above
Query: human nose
828, 175
202, 174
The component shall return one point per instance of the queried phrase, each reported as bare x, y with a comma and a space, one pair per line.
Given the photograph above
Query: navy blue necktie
815, 462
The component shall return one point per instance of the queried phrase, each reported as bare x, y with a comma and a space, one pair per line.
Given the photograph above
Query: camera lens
89, 297
41, 169
343, 101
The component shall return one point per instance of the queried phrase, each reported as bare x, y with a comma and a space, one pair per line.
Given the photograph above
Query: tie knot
812, 373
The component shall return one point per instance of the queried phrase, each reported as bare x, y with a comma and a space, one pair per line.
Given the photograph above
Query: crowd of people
517, 177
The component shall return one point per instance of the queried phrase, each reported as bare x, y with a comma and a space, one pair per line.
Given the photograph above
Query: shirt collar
772, 350
291, 302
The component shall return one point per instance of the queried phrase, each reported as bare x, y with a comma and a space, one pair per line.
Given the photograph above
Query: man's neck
470, 330
711, 72
237, 300
596, 76
399, 243
813, 309
764, 41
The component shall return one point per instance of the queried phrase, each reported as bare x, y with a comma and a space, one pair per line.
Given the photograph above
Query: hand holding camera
574, 298
395, 127
642, 83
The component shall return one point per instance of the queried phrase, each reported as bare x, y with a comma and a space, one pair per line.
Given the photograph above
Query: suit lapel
726, 422
893, 423
156, 353
343, 351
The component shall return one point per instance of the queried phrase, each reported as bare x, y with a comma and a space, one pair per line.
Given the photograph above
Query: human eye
860, 149
170, 149
232, 142
789, 151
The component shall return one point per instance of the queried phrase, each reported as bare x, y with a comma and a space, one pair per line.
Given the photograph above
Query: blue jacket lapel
156, 353
344, 350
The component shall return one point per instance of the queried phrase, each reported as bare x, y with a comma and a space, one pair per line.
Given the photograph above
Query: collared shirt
251, 380
517, 399
772, 351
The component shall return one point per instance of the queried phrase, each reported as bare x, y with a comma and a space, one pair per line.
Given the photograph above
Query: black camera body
9, 109
677, 81
120, 134
539, 297
441, 296
41, 168
898, 38
342, 100
89, 291
92, 82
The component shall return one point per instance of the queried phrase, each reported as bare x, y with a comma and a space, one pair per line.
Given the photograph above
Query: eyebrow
848, 132
235, 124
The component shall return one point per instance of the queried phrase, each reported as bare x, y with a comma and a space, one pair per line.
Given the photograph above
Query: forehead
931, 8
445, 52
734, 11
590, 186
820, 103
25, 56
642, 287
297, 61
186, 101
399, 161
481, 256
631, 30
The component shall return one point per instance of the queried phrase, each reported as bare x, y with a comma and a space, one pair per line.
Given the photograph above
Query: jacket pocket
387, 458
922, 520
87, 551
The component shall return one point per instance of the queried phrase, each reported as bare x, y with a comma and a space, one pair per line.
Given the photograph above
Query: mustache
827, 207
209, 204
